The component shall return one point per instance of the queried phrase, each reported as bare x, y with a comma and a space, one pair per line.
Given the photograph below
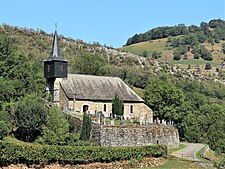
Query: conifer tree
86, 128
117, 106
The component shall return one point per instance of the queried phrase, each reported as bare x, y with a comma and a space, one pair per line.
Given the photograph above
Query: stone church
88, 93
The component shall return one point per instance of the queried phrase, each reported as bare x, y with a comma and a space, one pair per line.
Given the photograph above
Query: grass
193, 62
181, 146
161, 45
175, 163
158, 45
198, 155
139, 91
75, 114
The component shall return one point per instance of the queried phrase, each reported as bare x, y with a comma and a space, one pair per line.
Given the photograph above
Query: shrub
208, 66
86, 128
17, 152
4, 129
57, 128
29, 117
117, 106
156, 55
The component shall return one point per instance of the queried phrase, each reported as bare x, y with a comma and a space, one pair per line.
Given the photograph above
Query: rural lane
189, 152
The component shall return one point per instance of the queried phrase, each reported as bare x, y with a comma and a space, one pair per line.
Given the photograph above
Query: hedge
28, 153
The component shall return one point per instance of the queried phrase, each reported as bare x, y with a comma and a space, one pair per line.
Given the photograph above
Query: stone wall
135, 135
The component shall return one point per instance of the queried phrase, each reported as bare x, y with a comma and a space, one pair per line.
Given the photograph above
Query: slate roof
55, 54
97, 88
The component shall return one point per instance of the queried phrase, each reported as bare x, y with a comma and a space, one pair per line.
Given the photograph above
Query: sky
109, 22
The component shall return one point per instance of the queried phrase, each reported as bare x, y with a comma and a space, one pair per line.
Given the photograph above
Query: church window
131, 108
61, 67
104, 107
48, 68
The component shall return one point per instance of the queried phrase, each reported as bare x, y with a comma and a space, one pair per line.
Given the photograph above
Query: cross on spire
56, 26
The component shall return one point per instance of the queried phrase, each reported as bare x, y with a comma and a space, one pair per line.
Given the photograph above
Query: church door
85, 108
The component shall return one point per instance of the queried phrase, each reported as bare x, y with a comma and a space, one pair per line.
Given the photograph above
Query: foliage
208, 66
4, 129
163, 97
29, 117
56, 130
223, 48
156, 55
117, 106
145, 53
200, 116
14, 152
87, 63
157, 33
86, 128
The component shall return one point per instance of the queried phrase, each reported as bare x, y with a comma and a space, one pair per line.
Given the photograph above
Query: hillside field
162, 45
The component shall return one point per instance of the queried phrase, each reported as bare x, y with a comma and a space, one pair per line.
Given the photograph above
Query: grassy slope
161, 45
175, 163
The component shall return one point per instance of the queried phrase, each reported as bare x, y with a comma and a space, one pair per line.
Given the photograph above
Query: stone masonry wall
135, 135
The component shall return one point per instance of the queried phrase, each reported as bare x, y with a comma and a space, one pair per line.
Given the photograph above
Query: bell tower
55, 67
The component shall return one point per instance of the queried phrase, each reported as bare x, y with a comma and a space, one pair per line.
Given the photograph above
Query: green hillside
186, 46
162, 45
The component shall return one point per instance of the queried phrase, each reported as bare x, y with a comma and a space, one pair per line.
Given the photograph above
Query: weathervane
56, 26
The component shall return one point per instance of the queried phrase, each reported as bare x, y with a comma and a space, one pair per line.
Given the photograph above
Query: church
89, 93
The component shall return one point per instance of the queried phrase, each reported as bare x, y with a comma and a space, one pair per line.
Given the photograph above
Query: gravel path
189, 151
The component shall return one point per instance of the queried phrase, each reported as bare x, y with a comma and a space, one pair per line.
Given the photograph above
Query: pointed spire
55, 46
55, 54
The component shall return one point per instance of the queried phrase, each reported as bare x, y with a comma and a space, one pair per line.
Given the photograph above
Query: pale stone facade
132, 110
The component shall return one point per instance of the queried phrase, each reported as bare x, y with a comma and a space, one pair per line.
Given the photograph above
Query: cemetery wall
135, 135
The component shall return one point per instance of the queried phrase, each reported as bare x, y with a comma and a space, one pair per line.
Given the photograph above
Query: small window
61, 67
131, 108
104, 107
48, 68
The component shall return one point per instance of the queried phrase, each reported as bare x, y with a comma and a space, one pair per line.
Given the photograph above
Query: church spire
55, 54
55, 46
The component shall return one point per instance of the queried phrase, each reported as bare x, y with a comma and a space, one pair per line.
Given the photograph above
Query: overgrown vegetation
86, 128
195, 34
196, 108
117, 106
19, 152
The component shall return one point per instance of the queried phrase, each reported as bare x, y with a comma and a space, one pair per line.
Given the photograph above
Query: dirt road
189, 152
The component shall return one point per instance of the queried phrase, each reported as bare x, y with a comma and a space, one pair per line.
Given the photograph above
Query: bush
19, 152
86, 128
117, 106
4, 129
156, 55
57, 128
29, 117
208, 66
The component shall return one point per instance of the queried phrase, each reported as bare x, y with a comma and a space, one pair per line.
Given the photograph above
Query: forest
196, 107
212, 31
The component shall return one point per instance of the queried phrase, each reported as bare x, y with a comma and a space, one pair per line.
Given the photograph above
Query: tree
156, 55
145, 53
86, 128
176, 55
223, 47
117, 106
205, 54
163, 97
29, 117
208, 66
4, 129
57, 128
88, 63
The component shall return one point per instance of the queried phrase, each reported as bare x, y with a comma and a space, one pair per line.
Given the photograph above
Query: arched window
131, 108
104, 107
